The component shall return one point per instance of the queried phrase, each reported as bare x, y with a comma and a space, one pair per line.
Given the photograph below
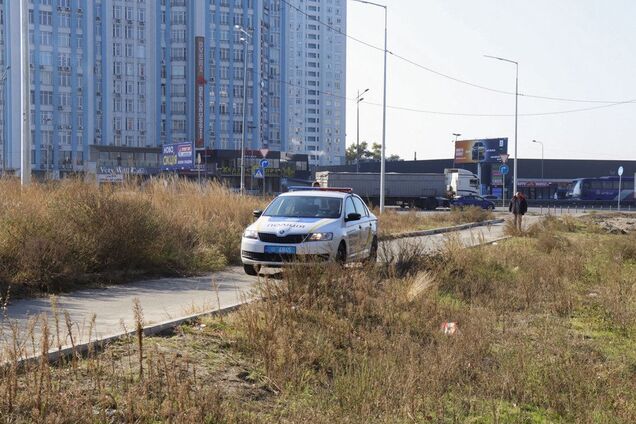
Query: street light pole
383, 151
3, 80
542, 157
25, 166
457, 135
246, 38
359, 99
514, 174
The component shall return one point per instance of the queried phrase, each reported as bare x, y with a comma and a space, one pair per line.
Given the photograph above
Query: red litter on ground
449, 328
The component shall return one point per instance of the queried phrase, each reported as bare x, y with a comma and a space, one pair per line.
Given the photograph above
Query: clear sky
580, 49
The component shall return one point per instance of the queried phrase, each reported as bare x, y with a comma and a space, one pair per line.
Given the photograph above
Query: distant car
472, 200
310, 225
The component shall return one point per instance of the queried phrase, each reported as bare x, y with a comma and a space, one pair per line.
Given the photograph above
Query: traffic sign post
504, 169
620, 181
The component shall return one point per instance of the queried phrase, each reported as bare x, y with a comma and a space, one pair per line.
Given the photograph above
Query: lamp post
25, 136
245, 38
383, 151
514, 174
541, 143
3, 80
359, 99
457, 135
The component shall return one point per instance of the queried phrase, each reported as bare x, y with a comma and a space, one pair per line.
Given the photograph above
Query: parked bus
603, 189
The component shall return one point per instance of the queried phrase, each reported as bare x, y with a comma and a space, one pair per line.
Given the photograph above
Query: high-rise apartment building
113, 80
315, 67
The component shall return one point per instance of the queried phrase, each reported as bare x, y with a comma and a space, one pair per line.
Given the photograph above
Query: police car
310, 225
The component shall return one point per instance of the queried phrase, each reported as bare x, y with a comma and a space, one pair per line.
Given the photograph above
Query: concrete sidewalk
172, 298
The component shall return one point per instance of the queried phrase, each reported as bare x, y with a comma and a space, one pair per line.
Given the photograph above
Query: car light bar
339, 189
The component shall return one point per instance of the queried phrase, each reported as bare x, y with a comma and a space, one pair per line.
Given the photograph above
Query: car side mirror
257, 213
353, 217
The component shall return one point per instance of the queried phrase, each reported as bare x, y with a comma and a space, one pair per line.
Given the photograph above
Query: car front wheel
250, 270
341, 255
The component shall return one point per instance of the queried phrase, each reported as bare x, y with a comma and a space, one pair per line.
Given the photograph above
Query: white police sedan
310, 225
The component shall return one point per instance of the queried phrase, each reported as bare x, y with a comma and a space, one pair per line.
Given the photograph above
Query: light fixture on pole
383, 151
359, 99
541, 143
514, 174
3, 80
25, 136
457, 135
246, 38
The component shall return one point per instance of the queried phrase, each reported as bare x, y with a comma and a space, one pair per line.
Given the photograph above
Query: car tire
341, 255
250, 270
490, 208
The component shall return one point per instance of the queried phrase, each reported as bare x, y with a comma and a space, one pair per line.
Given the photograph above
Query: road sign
504, 157
264, 152
620, 171
259, 173
504, 169
264, 163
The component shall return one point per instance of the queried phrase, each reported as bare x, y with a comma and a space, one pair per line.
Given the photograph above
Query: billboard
480, 151
177, 156
199, 87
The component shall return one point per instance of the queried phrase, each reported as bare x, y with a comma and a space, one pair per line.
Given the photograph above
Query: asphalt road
171, 298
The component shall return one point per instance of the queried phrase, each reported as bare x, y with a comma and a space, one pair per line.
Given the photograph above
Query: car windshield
305, 207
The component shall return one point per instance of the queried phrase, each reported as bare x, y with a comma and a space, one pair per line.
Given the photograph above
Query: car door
352, 229
365, 227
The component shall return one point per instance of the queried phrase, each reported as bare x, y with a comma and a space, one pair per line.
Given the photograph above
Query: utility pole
245, 38
383, 152
542, 157
359, 98
457, 135
25, 139
514, 174
3, 81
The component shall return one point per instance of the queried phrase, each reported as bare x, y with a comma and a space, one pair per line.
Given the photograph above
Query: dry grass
395, 222
58, 236
54, 235
546, 334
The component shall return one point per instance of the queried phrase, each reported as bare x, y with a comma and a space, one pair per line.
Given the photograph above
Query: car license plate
285, 250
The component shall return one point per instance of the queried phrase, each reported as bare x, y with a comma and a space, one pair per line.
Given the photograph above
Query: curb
55, 355
440, 230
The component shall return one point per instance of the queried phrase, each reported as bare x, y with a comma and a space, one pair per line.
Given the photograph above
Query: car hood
285, 226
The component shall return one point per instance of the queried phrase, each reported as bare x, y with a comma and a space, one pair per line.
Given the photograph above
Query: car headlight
251, 234
320, 237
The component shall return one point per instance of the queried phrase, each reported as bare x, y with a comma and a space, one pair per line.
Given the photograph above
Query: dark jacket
518, 205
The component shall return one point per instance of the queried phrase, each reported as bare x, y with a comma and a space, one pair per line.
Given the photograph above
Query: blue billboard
487, 150
178, 156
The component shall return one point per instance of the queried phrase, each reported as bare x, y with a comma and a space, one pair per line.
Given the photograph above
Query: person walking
518, 206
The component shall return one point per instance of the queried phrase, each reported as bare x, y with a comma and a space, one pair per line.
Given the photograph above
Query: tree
376, 151
365, 154
362, 152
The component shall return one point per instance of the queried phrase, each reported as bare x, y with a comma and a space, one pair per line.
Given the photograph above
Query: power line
450, 77
483, 115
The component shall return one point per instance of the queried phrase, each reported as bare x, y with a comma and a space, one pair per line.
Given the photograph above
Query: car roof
316, 193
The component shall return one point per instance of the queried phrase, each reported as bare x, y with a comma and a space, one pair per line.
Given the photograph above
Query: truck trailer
424, 191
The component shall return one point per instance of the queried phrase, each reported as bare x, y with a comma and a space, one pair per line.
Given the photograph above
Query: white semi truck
424, 191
